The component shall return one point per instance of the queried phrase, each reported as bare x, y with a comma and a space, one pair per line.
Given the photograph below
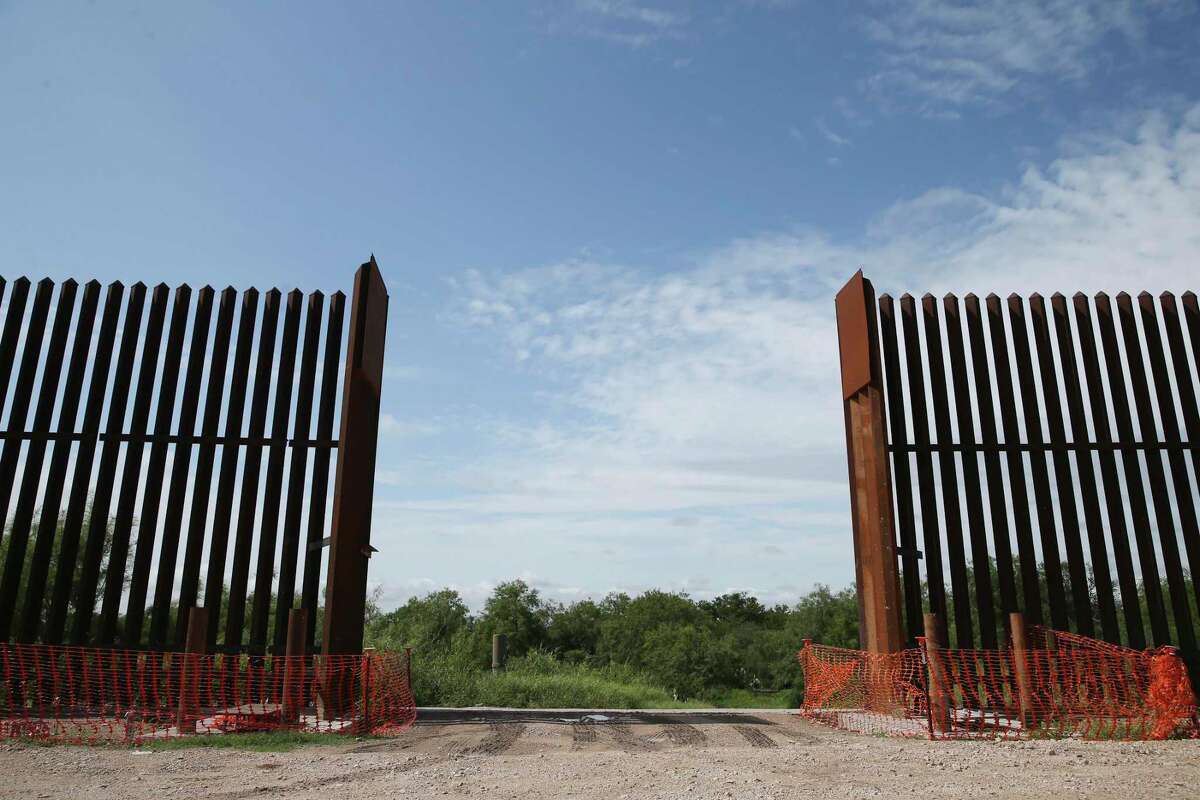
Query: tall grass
536, 680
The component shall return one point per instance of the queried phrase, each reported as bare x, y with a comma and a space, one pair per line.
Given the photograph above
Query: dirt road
654, 755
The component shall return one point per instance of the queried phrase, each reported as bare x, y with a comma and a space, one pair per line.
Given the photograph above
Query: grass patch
266, 742
745, 698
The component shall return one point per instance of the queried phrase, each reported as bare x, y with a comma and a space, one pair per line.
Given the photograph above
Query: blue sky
611, 230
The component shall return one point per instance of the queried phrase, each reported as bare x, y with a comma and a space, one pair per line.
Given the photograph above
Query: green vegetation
655, 650
264, 742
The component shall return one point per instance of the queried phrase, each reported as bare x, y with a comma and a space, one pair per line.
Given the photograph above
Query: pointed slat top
950, 297
229, 290
1167, 296
274, 293
1143, 296
1123, 297
139, 286
1079, 297
71, 282
92, 285
295, 295
45, 284
1101, 296
1189, 296
317, 295
22, 281
339, 295
1033, 298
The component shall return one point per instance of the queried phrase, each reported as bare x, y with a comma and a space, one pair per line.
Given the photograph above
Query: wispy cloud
832, 136
942, 54
625, 22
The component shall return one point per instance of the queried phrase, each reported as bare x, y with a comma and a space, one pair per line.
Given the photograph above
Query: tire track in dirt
582, 734
681, 734
500, 737
795, 736
627, 740
754, 736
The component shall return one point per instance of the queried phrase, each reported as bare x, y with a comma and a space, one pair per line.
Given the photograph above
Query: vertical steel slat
168, 556
993, 469
214, 588
64, 577
131, 471
320, 481
1097, 548
139, 579
243, 543
1043, 497
22, 396
964, 637
1164, 521
18, 537
980, 561
1030, 588
1065, 483
1134, 485
35, 603
901, 472
206, 453
930, 526
98, 520
272, 491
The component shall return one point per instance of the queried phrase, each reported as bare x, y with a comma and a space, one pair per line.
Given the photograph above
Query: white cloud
711, 394
625, 22
946, 54
390, 425
832, 136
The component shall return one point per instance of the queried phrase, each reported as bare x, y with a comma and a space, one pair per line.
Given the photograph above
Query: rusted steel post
354, 481
1020, 652
872, 514
294, 669
499, 652
939, 706
190, 672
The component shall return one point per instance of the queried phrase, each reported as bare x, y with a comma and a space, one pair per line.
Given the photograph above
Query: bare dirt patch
524, 757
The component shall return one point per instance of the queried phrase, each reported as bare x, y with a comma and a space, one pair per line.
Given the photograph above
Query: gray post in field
499, 652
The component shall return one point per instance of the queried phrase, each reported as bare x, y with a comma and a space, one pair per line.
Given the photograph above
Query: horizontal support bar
1026, 447
151, 438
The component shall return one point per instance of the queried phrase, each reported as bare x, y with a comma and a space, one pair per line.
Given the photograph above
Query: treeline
692, 648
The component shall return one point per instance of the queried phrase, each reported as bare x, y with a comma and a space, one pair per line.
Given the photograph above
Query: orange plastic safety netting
1059, 685
91, 696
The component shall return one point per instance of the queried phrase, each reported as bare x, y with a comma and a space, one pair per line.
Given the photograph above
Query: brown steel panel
64, 576
980, 562
297, 473
854, 343
1134, 486
964, 637
35, 603
132, 468
18, 532
214, 588
98, 511
1164, 520
248, 507
930, 526
139, 578
1065, 483
274, 483
354, 482
198, 518
905, 517
1098, 550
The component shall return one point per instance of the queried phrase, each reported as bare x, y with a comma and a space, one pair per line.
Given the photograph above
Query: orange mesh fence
92, 696
864, 692
1062, 685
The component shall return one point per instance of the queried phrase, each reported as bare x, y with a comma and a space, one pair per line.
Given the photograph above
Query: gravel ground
693, 756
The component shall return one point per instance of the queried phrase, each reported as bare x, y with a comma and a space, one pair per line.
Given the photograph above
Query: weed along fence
165, 483
1043, 454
